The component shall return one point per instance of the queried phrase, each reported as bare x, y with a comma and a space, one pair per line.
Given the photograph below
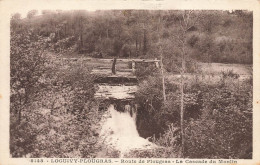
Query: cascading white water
119, 131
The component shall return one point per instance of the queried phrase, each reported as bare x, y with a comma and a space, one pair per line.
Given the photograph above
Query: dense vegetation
218, 117
217, 36
53, 112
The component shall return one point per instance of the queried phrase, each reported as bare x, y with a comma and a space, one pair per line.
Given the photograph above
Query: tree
16, 16
80, 20
186, 19
15, 20
27, 69
208, 22
161, 58
32, 13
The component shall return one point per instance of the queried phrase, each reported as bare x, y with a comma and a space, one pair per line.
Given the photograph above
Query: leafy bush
218, 117
144, 71
149, 98
230, 73
63, 121
224, 130
28, 65
53, 113
193, 40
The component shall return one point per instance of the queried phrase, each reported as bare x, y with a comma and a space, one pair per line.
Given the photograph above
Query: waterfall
119, 131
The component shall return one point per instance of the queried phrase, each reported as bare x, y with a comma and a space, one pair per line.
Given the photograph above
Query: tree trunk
182, 114
81, 41
182, 99
140, 46
145, 43
19, 115
136, 46
161, 55
65, 31
163, 81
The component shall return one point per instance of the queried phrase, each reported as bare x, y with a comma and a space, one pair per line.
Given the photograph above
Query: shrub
226, 134
229, 73
224, 128
193, 40
144, 71
149, 98
217, 119
28, 65
52, 109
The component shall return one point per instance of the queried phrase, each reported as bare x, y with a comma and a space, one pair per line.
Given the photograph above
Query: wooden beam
107, 91
111, 60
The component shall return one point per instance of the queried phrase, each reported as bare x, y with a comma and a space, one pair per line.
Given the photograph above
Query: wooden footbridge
123, 67
116, 77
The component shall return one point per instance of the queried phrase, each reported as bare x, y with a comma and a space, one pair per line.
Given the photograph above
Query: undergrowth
217, 118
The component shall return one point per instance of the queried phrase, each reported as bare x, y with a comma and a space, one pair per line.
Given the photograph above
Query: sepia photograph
131, 84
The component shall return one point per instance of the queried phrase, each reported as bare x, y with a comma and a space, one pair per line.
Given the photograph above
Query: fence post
133, 66
114, 66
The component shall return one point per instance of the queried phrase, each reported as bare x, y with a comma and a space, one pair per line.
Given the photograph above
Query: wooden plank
106, 91
108, 72
111, 60
137, 60
124, 70
109, 69
101, 67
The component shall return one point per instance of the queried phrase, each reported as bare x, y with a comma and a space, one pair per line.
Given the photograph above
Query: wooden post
156, 63
133, 66
114, 66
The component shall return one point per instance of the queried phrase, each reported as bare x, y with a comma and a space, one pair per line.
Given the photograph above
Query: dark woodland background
54, 114
225, 37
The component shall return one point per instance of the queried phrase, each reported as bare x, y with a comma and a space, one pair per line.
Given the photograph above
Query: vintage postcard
129, 82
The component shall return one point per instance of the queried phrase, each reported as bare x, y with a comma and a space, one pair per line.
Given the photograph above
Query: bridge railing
133, 62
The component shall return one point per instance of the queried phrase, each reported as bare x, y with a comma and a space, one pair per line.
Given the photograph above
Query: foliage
218, 117
153, 153
42, 134
224, 129
218, 36
31, 14
230, 73
63, 120
52, 112
154, 115
28, 66
144, 71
